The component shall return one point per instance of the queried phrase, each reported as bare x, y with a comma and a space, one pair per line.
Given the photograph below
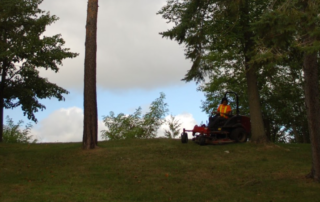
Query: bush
12, 133
135, 125
174, 128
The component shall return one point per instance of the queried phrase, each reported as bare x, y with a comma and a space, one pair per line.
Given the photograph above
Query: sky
134, 64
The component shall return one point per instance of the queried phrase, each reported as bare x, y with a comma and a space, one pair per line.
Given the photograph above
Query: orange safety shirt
223, 109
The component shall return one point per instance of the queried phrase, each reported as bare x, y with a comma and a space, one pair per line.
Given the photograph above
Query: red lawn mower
236, 128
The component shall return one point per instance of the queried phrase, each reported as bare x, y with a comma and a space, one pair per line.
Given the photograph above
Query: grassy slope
156, 170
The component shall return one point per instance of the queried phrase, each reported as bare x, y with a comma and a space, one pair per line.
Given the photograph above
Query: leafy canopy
215, 32
24, 49
136, 125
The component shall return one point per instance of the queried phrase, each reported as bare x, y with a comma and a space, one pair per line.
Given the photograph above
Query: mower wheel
184, 138
239, 135
202, 140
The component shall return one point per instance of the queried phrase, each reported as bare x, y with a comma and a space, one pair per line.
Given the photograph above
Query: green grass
156, 170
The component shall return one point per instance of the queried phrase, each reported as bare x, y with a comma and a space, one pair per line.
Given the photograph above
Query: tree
174, 128
298, 28
280, 86
310, 37
136, 125
219, 35
153, 119
13, 134
90, 123
123, 126
24, 49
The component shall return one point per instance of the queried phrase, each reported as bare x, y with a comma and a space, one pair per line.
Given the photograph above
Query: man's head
224, 101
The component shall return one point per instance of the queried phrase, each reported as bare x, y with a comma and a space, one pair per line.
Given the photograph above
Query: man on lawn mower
222, 114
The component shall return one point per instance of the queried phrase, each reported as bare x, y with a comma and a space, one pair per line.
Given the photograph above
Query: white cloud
131, 54
63, 125
187, 121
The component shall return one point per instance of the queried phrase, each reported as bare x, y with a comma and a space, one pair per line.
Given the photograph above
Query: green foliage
24, 49
216, 35
281, 95
12, 132
174, 127
221, 83
286, 25
122, 126
136, 125
285, 33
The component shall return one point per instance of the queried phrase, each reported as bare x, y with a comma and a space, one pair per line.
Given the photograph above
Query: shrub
12, 132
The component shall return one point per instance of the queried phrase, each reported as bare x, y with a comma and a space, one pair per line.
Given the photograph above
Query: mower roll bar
237, 99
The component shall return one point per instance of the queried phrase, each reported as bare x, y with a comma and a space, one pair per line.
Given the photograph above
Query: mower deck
202, 135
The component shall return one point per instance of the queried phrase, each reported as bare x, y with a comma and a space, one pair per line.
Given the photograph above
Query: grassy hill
156, 170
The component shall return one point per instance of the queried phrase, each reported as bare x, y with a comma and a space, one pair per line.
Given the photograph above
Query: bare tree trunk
296, 134
2, 88
1, 111
266, 123
257, 127
306, 138
313, 108
311, 88
90, 126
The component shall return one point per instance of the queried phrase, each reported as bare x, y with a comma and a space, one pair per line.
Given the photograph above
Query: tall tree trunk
2, 88
266, 123
90, 126
311, 77
306, 138
257, 127
296, 134
313, 108
1, 107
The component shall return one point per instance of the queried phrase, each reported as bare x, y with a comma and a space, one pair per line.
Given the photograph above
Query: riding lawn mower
236, 128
